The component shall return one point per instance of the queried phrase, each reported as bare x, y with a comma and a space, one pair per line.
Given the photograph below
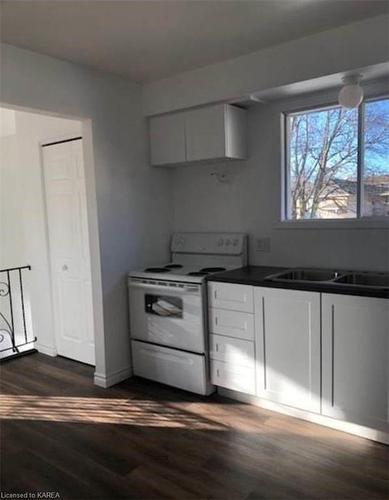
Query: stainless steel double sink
324, 276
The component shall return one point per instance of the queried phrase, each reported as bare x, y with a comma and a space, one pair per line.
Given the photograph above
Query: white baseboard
340, 425
49, 350
113, 378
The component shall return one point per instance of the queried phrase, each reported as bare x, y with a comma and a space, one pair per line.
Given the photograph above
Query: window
337, 162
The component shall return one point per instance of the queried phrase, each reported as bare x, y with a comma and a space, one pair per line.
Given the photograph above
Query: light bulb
351, 95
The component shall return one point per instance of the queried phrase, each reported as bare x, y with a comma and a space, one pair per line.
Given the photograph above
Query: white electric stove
168, 309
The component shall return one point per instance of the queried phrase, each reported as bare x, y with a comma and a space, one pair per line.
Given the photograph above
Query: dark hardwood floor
142, 440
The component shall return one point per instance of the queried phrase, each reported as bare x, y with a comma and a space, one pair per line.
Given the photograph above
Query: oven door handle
167, 289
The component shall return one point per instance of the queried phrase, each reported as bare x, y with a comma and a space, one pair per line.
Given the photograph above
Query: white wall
352, 47
251, 202
11, 244
133, 201
22, 218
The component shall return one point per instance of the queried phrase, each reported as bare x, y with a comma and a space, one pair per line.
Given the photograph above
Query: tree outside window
338, 162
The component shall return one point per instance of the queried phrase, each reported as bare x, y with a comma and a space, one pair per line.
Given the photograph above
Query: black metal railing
15, 327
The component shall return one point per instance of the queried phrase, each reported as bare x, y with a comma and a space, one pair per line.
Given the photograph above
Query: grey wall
134, 213
251, 202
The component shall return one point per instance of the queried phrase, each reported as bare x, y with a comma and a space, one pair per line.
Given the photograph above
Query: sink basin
375, 280
358, 279
303, 275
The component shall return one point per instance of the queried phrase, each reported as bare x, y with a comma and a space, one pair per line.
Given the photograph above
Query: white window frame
360, 221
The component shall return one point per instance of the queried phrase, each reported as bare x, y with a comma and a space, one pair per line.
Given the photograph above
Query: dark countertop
255, 275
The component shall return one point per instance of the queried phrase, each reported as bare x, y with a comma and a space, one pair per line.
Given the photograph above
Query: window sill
365, 223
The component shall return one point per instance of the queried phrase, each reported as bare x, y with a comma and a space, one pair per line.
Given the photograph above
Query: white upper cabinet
287, 324
205, 134
167, 139
356, 359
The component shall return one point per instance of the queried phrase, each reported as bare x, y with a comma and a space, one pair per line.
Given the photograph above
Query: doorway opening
48, 301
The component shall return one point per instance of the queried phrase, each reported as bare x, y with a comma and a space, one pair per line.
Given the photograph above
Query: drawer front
232, 323
169, 366
231, 297
234, 377
232, 351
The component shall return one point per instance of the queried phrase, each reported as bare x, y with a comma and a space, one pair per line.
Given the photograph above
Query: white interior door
69, 250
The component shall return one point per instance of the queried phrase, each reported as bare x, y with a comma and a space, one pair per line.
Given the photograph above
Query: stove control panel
209, 243
227, 242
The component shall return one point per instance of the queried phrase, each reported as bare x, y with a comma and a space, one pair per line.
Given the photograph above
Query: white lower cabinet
355, 359
326, 354
287, 324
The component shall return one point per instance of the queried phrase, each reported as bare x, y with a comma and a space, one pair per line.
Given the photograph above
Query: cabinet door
205, 133
167, 139
287, 324
355, 359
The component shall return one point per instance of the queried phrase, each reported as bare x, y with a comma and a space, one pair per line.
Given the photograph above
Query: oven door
167, 313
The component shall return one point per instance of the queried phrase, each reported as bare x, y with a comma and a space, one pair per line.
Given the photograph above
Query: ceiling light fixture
351, 94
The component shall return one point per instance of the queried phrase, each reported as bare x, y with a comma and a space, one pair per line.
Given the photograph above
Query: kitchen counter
255, 275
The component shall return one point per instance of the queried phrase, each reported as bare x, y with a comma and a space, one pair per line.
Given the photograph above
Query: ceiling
148, 40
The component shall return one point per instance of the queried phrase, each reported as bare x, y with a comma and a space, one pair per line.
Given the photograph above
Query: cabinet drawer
231, 297
232, 323
232, 351
234, 377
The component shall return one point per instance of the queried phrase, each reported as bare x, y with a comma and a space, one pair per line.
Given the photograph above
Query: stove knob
180, 241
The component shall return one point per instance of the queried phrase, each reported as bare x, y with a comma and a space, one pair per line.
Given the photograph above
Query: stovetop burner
173, 266
212, 269
157, 270
197, 273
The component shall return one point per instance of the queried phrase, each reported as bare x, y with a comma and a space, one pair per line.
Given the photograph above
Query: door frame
93, 230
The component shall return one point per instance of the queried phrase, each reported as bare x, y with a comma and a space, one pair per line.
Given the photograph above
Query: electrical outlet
262, 244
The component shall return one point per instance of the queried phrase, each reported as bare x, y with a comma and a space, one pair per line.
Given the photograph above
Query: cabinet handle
217, 347
264, 344
332, 355
214, 294
217, 372
216, 320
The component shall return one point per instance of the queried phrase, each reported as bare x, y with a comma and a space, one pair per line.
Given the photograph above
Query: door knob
65, 267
